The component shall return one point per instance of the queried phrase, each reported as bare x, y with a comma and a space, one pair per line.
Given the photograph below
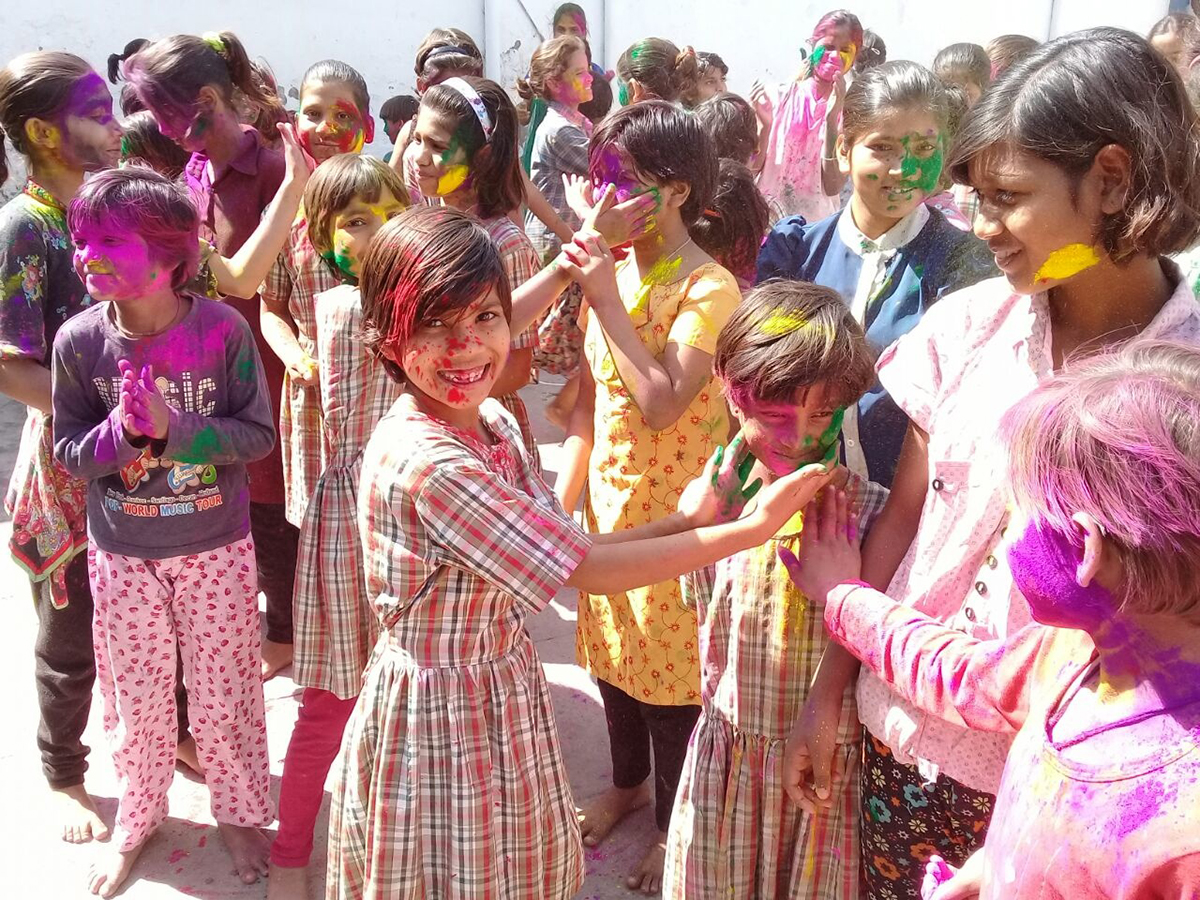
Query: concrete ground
186, 856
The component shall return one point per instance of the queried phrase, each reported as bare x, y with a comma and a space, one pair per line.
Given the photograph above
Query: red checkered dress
335, 626
520, 263
452, 781
296, 278
734, 831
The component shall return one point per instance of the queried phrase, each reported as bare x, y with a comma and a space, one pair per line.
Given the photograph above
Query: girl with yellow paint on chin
1085, 159
647, 419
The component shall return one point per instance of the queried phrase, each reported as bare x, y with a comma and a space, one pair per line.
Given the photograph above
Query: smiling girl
57, 112
452, 782
887, 253
1082, 194
159, 402
800, 172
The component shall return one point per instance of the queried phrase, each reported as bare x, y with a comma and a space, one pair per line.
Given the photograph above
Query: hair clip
712, 214
214, 41
468, 93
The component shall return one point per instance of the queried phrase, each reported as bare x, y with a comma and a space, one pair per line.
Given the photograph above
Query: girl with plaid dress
791, 359
452, 783
348, 201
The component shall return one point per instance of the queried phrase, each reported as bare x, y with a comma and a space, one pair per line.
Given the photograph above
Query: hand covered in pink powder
143, 409
299, 164
829, 552
618, 223
720, 493
943, 882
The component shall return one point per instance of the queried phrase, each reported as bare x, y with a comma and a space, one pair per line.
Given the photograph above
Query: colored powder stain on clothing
454, 178
662, 272
1066, 262
204, 447
778, 323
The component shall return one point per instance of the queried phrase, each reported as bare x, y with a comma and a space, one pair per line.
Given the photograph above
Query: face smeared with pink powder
1044, 566
116, 264
833, 54
329, 121
454, 361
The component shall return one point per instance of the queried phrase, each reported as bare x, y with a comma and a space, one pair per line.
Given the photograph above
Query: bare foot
597, 819
647, 877
250, 850
186, 753
109, 872
81, 820
287, 884
276, 658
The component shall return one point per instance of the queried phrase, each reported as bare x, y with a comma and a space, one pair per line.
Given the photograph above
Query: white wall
757, 38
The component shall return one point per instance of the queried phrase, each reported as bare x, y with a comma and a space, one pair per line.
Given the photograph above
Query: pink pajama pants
206, 604
315, 742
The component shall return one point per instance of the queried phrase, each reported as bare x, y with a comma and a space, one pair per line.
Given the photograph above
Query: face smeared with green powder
353, 228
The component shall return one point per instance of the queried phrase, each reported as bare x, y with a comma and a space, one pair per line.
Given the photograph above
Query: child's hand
125, 401
619, 223
720, 493
829, 553
834, 110
142, 404
944, 882
761, 103
304, 370
812, 765
589, 262
297, 161
782, 499
578, 194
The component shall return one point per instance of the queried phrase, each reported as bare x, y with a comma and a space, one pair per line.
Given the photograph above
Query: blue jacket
941, 259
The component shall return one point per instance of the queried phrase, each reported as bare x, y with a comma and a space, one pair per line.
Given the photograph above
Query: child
346, 203
800, 171
464, 151
598, 108
169, 556
1101, 464
646, 420
655, 69
142, 143
711, 75
964, 66
1080, 273
570, 19
731, 123
57, 112
1170, 35
734, 223
189, 84
334, 119
790, 357
116, 60
872, 53
887, 253
395, 113
1007, 50
452, 780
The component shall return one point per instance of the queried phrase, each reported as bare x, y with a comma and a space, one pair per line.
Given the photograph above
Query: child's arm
536, 295
26, 381
87, 441
832, 179
243, 273
662, 388
278, 330
577, 446
540, 207
24, 356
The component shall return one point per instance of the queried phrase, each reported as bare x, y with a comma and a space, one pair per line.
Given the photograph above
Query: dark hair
663, 143
569, 9
152, 206
334, 71
130, 102
550, 60
789, 335
1172, 23
896, 85
495, 163
731, 123
425, 263
600, 104
840, 18
266, 119
964, 63
1076, 95
872, 53
34, 86
337, 182
446, 52
731, 228
171, 72
142, 143
116, 59
1008, 49
661, 68
707, 60
400, 108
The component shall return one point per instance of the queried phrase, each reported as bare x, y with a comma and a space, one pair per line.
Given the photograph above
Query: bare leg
276, 658
186, 753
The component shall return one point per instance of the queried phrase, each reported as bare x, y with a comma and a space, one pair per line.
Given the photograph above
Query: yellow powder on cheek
1066, 262
452, 180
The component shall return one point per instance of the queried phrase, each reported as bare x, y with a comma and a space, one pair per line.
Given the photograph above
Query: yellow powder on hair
780, 323
1066, 262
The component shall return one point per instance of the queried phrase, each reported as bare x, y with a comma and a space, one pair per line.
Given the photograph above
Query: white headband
472, 97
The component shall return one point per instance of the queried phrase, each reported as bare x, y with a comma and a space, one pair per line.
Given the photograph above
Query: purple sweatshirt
209, 372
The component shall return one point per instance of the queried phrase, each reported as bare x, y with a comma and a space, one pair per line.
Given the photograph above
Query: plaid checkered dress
452, 782
520, 263
335, 626
734, 831
297, 277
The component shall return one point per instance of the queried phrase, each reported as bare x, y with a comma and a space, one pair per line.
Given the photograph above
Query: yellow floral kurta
644, 641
